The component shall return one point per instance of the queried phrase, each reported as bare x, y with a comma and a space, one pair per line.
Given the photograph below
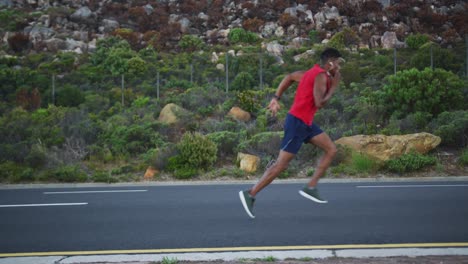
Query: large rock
390, 41
150, 173
109, 25
82, 14
239, 114
55, 44
169, 114
389, 147
6, 3
247, 162
275, 48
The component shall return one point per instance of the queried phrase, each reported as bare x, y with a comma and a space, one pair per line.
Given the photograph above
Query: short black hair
329, 53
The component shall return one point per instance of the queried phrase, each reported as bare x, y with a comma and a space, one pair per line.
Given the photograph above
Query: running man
316, 87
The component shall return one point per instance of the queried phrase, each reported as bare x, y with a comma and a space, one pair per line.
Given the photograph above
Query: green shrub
452, 127
103, 176
37, 157
226, 141
345, 38
249, 101
314, 36
239, 35
363, 163
69, 173
415, 41
263, 144
409, 163
464, 158
197, 151
141, 101
431, 91
70, 96
243, 81
10, 171
185, 173
134, 139
191, 43
447, 59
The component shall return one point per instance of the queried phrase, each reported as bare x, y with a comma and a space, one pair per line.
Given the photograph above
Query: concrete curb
237, 256
229, 182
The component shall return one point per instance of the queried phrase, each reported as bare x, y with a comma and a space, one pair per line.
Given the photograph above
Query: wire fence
242, 71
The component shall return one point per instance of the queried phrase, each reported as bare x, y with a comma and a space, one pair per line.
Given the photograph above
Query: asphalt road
211, 216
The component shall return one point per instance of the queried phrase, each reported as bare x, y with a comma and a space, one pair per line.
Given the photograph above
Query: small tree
190, 43
432, 91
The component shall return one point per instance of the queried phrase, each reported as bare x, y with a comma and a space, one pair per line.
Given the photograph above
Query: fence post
261, 71
53, 89
466, 45
394, 60
191, 72
123, 80
432, 58
157, 85
227, 73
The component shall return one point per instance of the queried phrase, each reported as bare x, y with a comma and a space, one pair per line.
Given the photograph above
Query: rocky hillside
76, 25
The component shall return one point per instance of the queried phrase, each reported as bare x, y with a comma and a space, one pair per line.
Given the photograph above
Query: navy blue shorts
296, 132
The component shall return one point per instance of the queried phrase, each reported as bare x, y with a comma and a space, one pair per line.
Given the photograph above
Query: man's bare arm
289, 79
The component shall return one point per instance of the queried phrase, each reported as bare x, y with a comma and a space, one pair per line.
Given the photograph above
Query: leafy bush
345, 38
197, 151
446, 59
415, 41
452, 127
37, 157
70, 96
191, 43
226, 141
10, 171
432, 91
363, 164
314, 36
409, 162
243, 81
239, 35
266, 143
464, 158
132, 139
103, 176
68, 173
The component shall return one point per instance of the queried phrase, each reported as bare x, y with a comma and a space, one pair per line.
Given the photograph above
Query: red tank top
303, 106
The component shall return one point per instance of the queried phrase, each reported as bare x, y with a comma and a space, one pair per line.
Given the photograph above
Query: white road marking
36, 205
413, 186
113, 191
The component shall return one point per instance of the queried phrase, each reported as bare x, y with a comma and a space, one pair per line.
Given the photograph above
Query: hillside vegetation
82, 92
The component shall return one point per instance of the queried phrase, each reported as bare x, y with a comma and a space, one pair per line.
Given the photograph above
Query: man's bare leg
273, 171
324, 142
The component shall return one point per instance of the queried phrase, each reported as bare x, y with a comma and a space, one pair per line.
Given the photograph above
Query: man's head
331, 59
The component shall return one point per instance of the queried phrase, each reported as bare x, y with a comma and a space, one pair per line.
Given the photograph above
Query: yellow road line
236, 249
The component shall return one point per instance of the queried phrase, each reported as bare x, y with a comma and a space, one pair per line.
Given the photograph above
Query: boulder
239, 114
390, 41
148, 9
306, 55
6, 3
55, 44
150, 173
269, 29
275, 48
384, 147
247, 162
169, 114
109, 25
82, 14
